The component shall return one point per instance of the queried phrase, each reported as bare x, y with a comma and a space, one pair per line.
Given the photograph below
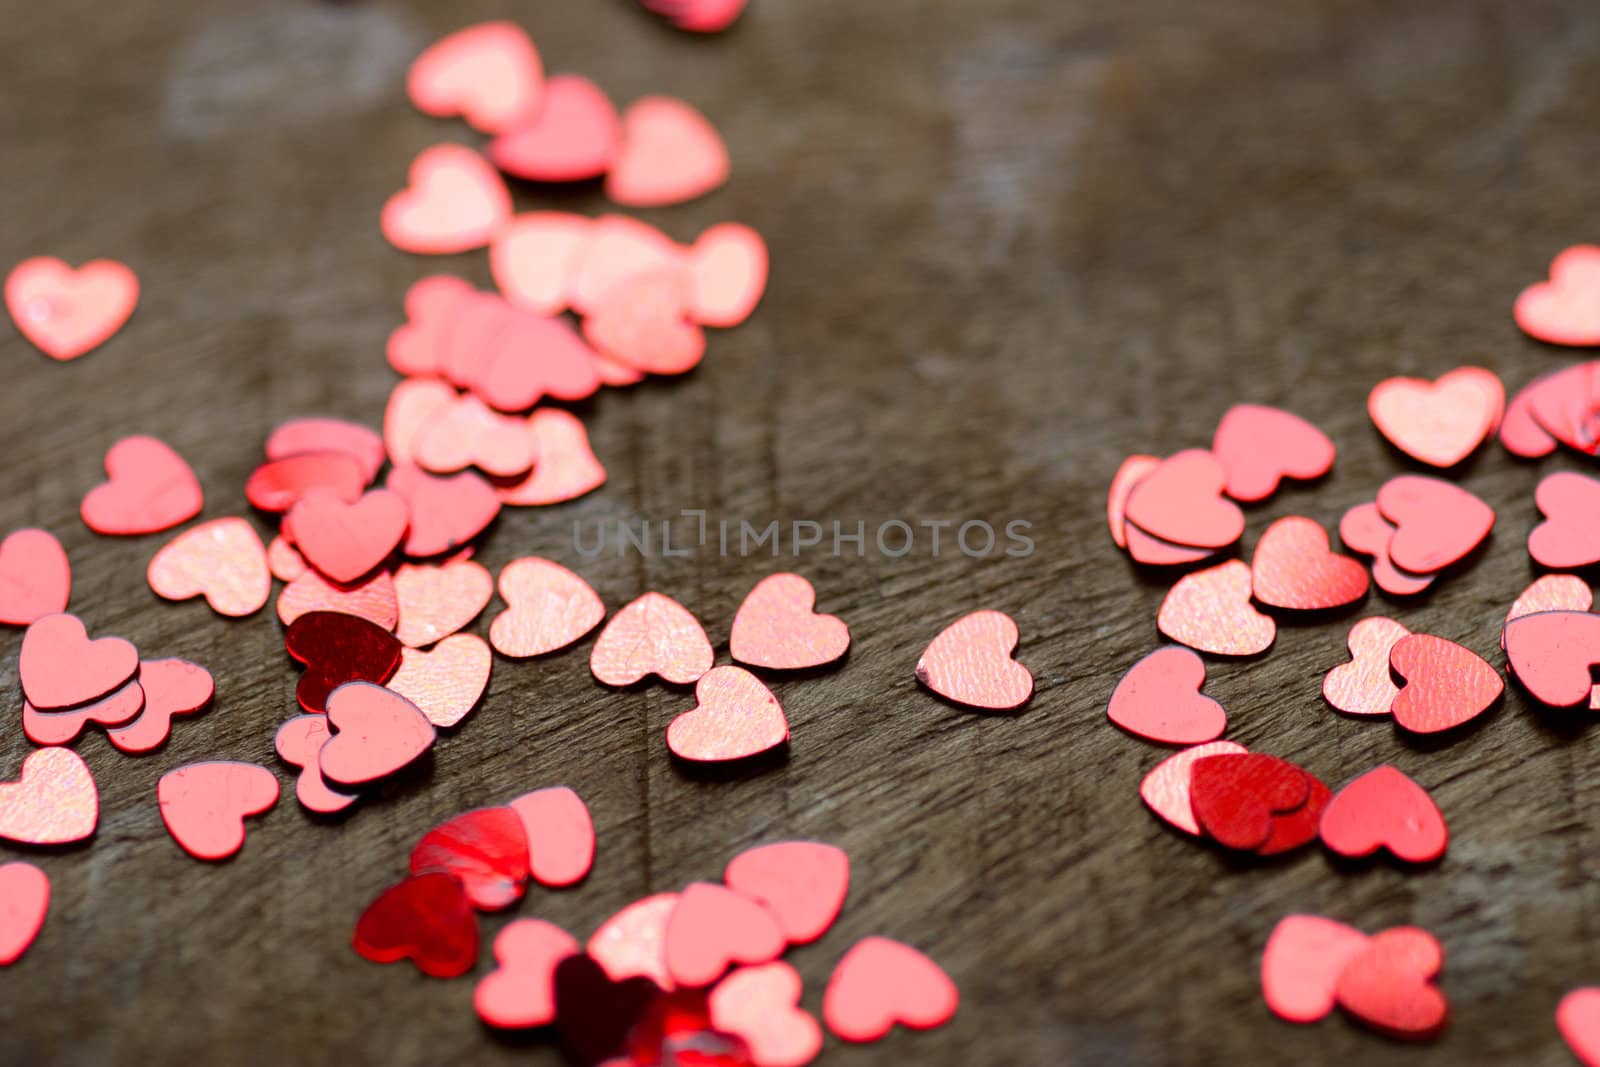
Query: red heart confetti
713, 927
762, 1005
1436, 523
377, 732
1181, 502
416, 348
1564, 405
630, 942
548, 608
1389, 985
151, 489
700, 16
455, 203
651, 635
1301, 965
535, 255
560, 835
486, 850
1385, 809
24, 903
1566, 309
1210, 611
534, 356
777, 627
1552, 654
1520, 430
60, 667
446, 513
735, 717
1363, 686
1446, 685
970, 663
490, 74
567, 467
669, 153
296, 436
299, 743
278, 483
469, 434
172, 687
338, 648
67, 312
1260, 446
1364, 529
1294, 568
1570, 535
1132, 471
880, 982
205, 804
802, 883
223, 560
1167, 789
521, 992
35, 577
285, 562
374, 598
63, 727
347, 541
1236, 798
1577, 1017
1159, 700
597, 1014
447, 683
1439, 423
427, 919
1552, 592
572, 138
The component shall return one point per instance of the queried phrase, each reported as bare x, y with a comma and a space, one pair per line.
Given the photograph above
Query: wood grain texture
1012, 241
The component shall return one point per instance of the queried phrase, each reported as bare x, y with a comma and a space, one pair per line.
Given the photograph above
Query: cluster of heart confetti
1385, 981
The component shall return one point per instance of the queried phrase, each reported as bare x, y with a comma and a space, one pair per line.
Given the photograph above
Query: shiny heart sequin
1159, 699
1237, 798
469, 434
1436, 523
374, 598
1439, 423
223, 560
151, 488
205, 804
735, 717
171, 687
294, 437
1446, 685
1301, 965
1363, 686
67, 312
1570, 535
455, 203
436, 600
1167, 788
880, 982
669, 154
535, 255
762, 1005
299, 743
560, 835
777, 627
1577, 1017
53, 802
427, 919
60, 667
1364, 529
1152, 551
1389, 985
970, 663
485, 849
651, 635
1552, 592
629, 943
1260, 446
572, 138
24, 903
1566, 309
35, 577
534, 356
417, 347
346, 541
448, 682
1520, 430
1294, 568
490, 74
802, 883
278, 483
727, 274
644, 322
548, 608
446, 513
1129, 474
1210, 611
1552, 654
567, 467
521, 992
63, 727
337, 648
285, 561
377, 732
596, 1013
713, 927
1181, 502
1385, 809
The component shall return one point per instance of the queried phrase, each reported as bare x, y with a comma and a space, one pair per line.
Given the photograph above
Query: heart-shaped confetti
533, 357
1363, 686
278, 483
1385, 809
727, 274
448, 682
1129, 474
223, 560
377, 732
1577, 1017
668, 153
1181, 502
1436, 523
427, 919
1260, 446
1446, 685
455, 203
417, 347
60, 667
713, 927
67, 312
1439, 423
521, 992
1301, 965
469, 434
880, 982
35, 577
485, 849
375, 598
1210, 611
1552, 592
299, 742
1154, 552
596, 1013
490, 74
1167, 789
573, 137
1565, 407
63, 727
1363, 529
567, 467
1389, 985
171, 687
1552, 654
653, 634
205, 804
470, 340
436, 600
296, 436
735, 717
53, 802
700, 16
549, 608
535, 255
1159, 699
1520, 430
644, 322
777, 627
560, 835
151, 488
1570, 535
346, 541
24, 903
337, 648
630, 942
1237, 798
1294, 568
802, 883
1566, 309
285, 561
762, 1005
619, 247
446, 513
970, 663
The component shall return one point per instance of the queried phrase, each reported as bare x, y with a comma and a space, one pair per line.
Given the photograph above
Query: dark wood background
1012, 241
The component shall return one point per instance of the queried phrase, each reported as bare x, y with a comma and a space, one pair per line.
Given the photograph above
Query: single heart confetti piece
436, 600
1520, 430
567, 467
629, 943
24, 903
653, 634
644, 322
1363, 529
413, 406
560, 835
1570, 535
1577, 1017
970, 663
1552, 592
521, 992
67, 312
377, 732
1446, 685
880, 982
700, 16
777, 627
572, 138
1552, 654
598, 1016
713, 927
222, 559
35, 577
1181, 502
1294, 568
447, 683
417, 347
1167, 788
1159, 700
489, 73
1302, 962
455, 203
1363, 686
285, 561
1133, 469
469, 434
427, 919
293, 437
1260, 446
446, 513
669, 153
470, 340
1436, 523
1385, 809
1389, 985
337, 648
1154, 552
1566, 309
802, 883
299, 743
535, 255
735, 717
1439, 423
727, 274
171, 687
63, 727
619, 248
205, 804
374, 598
548, 608
348, 541
485, 849
151, 489
762, 1005
1237, 798
53, 802
278, 483
1210, 611
60, 667
535, 356
1566, 407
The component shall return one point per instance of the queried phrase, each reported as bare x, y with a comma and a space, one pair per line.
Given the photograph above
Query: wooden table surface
1012, 242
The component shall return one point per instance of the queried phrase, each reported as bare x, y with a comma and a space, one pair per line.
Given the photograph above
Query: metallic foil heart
485, 849
735, 717
295, 436
1159, 699
278, 483
777, 627
1260, 446
1133, 469
520, 993
374, 598
376, 733
567, 467
1181, 502
1302, 962
970, 663
802, 883
1363, 686
1385, 809
1570, 535
63, 727
533, 356
629, 943
572, 138
560, 835
880, 982
222, 559
727, 274
427, 919
171, 687
549, 608
762, 1005
1237, 798
67, 312
436, 600
54, 802
1566, 309
338, 648
299, 742
468, 434
24, 903
454, 203
413, 405
285, 562
645, 322
535, 255
596, 1014
1166, 789
150, 489
1364, 529
447, 683
205, 804
446, 513
713, 927
35, 577
346, 542
1294, 568
1210, 611
1439, 423
1436, 523
653, 634
1389, 985
1552, 653
1552, 592
669, 153
488, 73
61, 668
1446, 685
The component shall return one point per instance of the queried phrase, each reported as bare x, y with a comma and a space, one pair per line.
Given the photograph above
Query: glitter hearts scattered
1446, 684
879, 983
802, 883
1260, 446
1570, 535
548, 608
54, 802
61, 667
223, 560
651, 635
490, 74
1294, 568
1389, 985
1436, 523
376, 733
520, 993
1439, 423
1167, 789
669, 153
427, 919
66, 312
1363, 686
1301, 965
1552, 654
455, 203
777, 627
970, 663
1256, 803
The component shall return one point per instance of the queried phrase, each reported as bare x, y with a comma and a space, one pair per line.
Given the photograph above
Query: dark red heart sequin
595, 1015
338, 648
426, 918
486, 850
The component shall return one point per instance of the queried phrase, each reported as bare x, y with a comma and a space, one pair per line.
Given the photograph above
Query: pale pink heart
670, 153
970, 663
651, 635
573, 138
548, 608
490, 74
377, 732
455, 203
534, 256
53, 802
222, 559
438, 599
67, 312
417, 346
777, 627
727, 274
1166, 788
413, 405
446, 683
618, 248
1566, 309
567, 467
